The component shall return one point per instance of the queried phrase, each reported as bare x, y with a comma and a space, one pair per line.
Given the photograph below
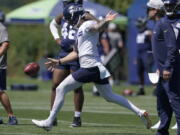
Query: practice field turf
99, 117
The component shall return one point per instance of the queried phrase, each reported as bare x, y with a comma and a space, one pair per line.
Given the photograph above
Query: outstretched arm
100, 25
53, 62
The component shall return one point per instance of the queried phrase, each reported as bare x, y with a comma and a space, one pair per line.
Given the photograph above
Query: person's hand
110, 16
166, 75
52, 63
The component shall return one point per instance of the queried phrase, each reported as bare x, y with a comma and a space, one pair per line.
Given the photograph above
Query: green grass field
99, 117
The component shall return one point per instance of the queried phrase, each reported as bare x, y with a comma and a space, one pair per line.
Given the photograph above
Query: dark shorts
74, 65
86, 75
2, 79
145, 62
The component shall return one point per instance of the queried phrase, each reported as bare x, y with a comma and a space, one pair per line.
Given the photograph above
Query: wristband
59, 62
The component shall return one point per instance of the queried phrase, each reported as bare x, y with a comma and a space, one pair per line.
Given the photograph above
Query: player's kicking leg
106, 92
67, 85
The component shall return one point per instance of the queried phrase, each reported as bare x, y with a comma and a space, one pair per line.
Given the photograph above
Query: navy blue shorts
145, 62
86, 75
2, 79
74, 65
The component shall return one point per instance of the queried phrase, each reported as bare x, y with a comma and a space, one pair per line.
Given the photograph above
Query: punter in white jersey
91, 68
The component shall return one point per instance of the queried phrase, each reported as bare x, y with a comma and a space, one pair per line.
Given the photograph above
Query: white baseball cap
156, 4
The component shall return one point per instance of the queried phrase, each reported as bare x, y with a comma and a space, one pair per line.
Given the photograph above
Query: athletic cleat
145, 118
12, 120
1, 121
76, 122
174, 127
141, 92
156, 126
42, 124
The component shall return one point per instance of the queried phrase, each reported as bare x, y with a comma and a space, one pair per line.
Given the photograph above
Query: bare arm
53, 62
100, 25
106, 46
3, 48
89, 16
70, 57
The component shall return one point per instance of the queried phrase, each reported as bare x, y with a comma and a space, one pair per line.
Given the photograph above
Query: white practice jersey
87, 45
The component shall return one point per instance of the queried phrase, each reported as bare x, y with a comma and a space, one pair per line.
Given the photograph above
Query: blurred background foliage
28, 43
120, 6
32, 42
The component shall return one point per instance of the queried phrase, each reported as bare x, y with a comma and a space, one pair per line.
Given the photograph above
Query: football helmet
66, 2
73, 13
171, 7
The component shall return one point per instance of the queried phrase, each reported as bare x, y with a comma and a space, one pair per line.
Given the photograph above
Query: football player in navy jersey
66, 42
166, 46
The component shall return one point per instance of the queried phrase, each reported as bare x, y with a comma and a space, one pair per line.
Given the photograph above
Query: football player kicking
62, 71
66, 42
91, 68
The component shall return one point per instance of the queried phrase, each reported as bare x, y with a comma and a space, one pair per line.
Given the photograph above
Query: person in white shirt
91, 68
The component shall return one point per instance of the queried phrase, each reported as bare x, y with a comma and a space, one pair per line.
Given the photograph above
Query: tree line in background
31, 42
118, 5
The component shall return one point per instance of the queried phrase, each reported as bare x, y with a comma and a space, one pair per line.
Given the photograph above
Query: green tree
118, 5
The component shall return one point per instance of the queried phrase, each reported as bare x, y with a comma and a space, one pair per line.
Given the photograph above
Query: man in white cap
156, 12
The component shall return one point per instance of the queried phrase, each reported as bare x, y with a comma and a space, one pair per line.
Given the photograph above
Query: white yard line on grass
84, 123
85, 110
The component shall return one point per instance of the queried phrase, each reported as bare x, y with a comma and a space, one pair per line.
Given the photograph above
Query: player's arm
4, 43
53, 62
89, 16
70, 57
170, 40
101, 24
54, 28
3, 47
105, 43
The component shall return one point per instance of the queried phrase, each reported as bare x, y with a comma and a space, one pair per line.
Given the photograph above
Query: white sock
67, 85
77, 114
107, 93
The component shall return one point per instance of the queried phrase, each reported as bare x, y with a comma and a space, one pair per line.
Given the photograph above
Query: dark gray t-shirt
3, 38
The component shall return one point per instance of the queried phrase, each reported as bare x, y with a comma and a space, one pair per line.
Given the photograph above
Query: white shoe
42, 124
156, 126
175, 126
144, 115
